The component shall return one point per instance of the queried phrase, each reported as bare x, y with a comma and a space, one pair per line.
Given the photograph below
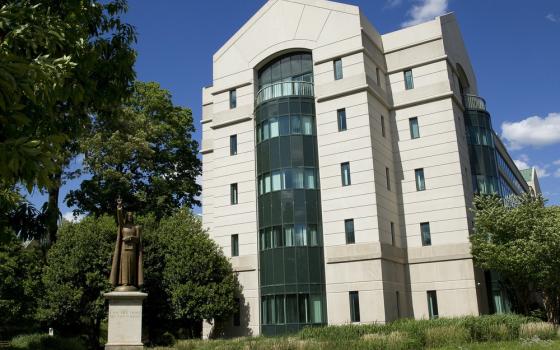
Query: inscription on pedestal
125, 320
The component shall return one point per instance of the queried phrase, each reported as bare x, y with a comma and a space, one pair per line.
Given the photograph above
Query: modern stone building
339, 168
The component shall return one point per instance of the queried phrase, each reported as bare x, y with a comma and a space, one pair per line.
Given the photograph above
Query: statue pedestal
125, 320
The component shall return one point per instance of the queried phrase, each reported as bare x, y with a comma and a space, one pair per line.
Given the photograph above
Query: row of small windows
341, 121
306, 236
418, 175
289, 236
354, 301
286, 179
291, 308
304, 125
337, 68
285, 125
424, 232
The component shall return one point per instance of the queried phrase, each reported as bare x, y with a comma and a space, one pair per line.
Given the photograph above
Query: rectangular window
408, 80
432, 304
233, 145
234, 245
398, 304
383, 126
345, 173
354, 306
232, 99
392, 233
337, 69
378, 76
419, 176
341, 117
425, 232
233, 193
237, 313
349, 230
414, 129
388, 177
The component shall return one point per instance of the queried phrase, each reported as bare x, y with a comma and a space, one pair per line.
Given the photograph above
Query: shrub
46, 342
542, 330
446, 336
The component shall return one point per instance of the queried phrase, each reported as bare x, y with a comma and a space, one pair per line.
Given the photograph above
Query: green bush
46, 342
447, 336
542, 330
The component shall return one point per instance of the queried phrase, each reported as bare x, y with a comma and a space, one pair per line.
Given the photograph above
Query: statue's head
129, 217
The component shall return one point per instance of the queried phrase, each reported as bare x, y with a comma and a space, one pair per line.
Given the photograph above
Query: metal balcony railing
474, 102
286, 88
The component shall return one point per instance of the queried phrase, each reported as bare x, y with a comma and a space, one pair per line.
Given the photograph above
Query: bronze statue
126, 272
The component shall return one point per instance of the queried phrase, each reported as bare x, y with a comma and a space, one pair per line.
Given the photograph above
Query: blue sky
514, 47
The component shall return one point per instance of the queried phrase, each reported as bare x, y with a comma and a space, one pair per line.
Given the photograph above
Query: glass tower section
291, 263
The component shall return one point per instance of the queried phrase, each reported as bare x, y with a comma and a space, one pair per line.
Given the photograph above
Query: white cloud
425, 10
533, 131
552, 17
523, 163
393, 3
557, 173
556, 162
69, 216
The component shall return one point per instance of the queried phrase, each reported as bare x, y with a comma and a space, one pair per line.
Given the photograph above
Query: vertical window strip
425, 233
233, 145
345, 173
232, 99
408, 80
433, 311
414, 129
235, 245
341, 116
354, 306
388, 177
233, 194
337, 69
349, 231
420, 181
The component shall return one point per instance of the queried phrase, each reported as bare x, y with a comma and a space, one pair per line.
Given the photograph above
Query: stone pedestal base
125, 320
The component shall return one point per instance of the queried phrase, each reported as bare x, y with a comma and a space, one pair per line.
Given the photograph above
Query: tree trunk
551, 301
53, 212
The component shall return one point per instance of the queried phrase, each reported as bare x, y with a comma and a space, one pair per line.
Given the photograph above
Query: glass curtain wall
482, 152
292, 276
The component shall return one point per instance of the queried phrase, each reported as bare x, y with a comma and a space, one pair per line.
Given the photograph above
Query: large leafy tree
188, 278
76, 274
63, 63
146, 154
520, 241
20, 272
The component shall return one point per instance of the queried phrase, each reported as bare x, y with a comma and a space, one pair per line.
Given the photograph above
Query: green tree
520, 241
20, 272
146, 154
189, 272
75, 277
66, 63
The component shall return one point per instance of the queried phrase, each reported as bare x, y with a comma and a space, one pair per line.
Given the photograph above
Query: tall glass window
233, 193
232, 99
337, 64
383, 126
408, 80
398, 304
432, 304
341, 118
234, 245
349, 231
233, 145
378, 76
345, 173
388, 177
414, 129
425, 233
392, 233
419, 176
354, 306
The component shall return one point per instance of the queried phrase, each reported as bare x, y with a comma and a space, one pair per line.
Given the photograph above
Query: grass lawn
293, 344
